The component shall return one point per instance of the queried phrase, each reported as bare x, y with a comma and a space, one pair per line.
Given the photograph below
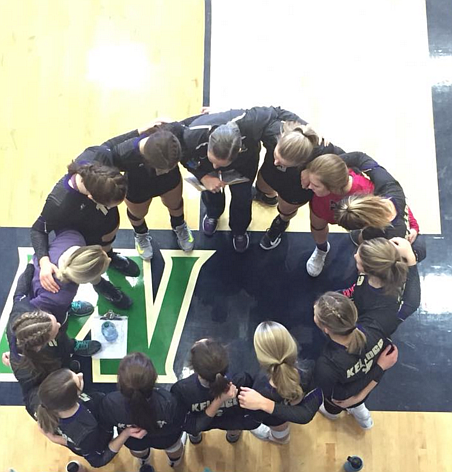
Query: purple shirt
56, 303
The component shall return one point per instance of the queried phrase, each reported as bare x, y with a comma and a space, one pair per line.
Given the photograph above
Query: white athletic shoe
184, 237
143, 246
177, 462
315, 263
362, 416
327, 414
263, 433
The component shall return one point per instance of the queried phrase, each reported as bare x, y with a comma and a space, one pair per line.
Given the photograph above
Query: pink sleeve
412, 220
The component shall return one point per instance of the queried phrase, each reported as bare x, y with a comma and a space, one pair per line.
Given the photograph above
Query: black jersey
196, 398
84, 434
66, 208
59, 350
388, 310
169, 415
301, 413
341, 374
258, 124
385, 186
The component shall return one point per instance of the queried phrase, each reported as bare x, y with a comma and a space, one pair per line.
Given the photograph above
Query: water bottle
353, 464
75, 466
109, 331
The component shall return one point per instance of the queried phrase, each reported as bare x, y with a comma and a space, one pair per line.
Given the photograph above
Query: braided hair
33, 330
104, 183
162, 150
339, 314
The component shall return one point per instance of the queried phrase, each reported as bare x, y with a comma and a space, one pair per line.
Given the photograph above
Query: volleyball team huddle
221, 150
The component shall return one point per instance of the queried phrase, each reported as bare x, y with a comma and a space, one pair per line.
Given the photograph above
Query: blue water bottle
353, 464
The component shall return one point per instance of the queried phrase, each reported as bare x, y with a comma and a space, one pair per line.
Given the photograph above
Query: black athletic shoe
124, 265
113, 294
241, 242
147, 468
260, 196
80, 308
86, 348
75, 366
272, 237
195, 439
232, 439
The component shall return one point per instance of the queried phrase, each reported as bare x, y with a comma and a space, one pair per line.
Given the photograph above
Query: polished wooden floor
399, 442
73, 74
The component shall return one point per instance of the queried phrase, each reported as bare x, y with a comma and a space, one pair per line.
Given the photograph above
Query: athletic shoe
195, 439
209, 225
315, 263
327, 414
113, 294
362, 416
143, 245
355, 236
75, 366
86, 348
80, 308
260, 196
176, 462
272, 237
232, 438
263, 433
147, 468
184, 237
241, 242
124, 265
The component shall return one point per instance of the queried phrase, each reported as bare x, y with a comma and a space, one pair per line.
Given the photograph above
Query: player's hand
388, 359
205, 110
405, 250
138, 433
230, 393
412, 236
212, 184
305, 182
6, 359
46, 275
250, 399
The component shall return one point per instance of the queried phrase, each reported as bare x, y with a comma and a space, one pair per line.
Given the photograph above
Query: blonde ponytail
277, 353
362, 211
85, 265
297, 143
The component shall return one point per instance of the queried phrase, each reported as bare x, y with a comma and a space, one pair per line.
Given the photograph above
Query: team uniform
169, 415
84, 434
195, 399
258, 124
389, 311
323, 207
56, 303
341, 374
301, 413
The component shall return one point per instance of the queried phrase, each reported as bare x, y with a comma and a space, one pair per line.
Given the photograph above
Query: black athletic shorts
97, 225
287, 183
156, 442
143, 185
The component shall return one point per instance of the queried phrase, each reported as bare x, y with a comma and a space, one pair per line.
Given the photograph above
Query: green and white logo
155, 324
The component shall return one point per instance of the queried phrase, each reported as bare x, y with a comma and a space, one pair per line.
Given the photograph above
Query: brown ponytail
210, 360
58, 392
136, 381
339, 314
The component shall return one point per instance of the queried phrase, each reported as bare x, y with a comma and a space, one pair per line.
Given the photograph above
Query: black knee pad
132, 216
288, 215
313, 228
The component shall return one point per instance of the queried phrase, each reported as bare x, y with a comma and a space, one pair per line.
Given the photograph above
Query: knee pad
313, 228
132, 216
287, 215
181, 205
175, 447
